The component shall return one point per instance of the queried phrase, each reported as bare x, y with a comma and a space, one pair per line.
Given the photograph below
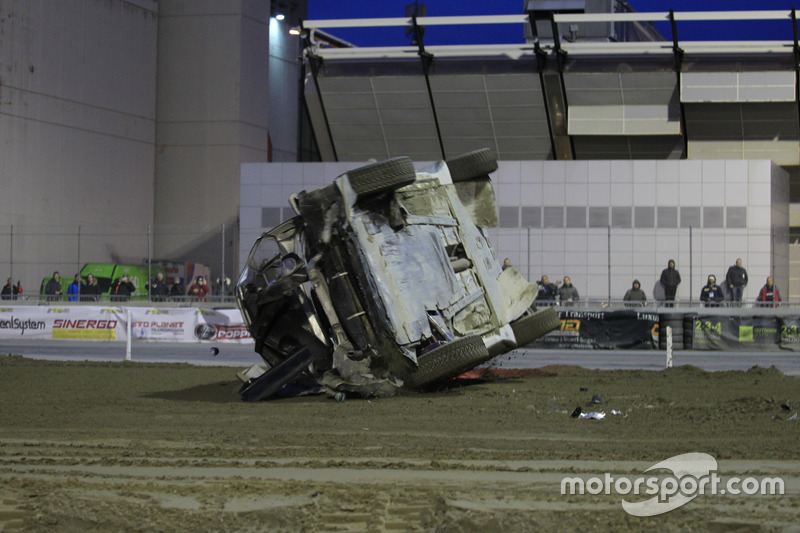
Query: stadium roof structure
557, 98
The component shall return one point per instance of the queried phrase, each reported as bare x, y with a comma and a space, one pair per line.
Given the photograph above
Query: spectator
52, 289
736, 279
568, 294
635, 295
224, 287
158, 288
198, 290
122, 289
711, 293
506, 263
74, 289
91, 291
670, 279
177, 289
547, 292
769, 295
11, 291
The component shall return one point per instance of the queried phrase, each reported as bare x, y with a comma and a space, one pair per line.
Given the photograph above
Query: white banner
110, 323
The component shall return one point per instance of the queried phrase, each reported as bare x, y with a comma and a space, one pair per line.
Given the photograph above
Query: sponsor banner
789, 332
42, 323
746, 333
582, 330
153, 324
110, 323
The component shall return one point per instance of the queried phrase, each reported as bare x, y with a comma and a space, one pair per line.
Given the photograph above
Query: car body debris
385, 279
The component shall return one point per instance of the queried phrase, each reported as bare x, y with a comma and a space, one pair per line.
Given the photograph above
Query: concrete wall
77, 129
212, 116
603, 223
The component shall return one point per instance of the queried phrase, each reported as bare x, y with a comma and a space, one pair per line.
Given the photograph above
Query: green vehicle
108, 273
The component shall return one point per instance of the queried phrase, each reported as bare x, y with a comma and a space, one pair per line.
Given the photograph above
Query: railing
671, 23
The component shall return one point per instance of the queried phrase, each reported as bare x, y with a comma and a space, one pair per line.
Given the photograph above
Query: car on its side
385, 279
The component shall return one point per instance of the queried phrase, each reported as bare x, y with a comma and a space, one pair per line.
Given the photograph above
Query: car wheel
531, 327
475, 164
382, 176
448, 361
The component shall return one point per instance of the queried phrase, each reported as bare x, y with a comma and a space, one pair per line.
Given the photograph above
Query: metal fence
30, 253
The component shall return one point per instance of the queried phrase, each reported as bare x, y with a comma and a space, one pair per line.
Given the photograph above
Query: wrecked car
384, 280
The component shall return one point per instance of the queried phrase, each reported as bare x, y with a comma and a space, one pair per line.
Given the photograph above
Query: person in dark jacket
567, 293
122, 289
635, 295
11, 291
769, 295
736, 280
670, 279
52, 288
711, 293
158, 288
547, 292
91, 291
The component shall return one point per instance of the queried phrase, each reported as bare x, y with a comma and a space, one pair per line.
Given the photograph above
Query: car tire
383, 176
475, 164
448, 361
531, 327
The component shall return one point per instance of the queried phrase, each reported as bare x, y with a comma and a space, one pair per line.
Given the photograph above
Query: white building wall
603, 223
77, 130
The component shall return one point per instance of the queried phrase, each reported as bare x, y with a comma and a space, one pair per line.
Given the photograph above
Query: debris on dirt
616, 412
793, 417
577, 412
593, 415
596, 400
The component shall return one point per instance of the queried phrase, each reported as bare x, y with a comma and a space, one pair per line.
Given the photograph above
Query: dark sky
325, 9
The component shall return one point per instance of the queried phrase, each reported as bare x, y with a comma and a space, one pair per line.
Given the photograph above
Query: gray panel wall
212, 116
77, 129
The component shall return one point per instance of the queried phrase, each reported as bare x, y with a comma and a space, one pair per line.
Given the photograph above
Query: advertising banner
68, 322
746, 333
789, 332
111, 324
583, 330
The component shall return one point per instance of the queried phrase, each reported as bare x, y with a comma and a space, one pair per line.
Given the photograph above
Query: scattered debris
593, 415
596, 400
577, 412
793, 417
619, 413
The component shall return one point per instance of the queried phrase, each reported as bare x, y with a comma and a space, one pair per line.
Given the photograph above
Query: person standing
198, 290
670, 279
635, 295
158, 288
711, 293
122, 289
736, 280
74, 289
11, 291
567, 293
547, 292
769, 295
91, 291
52, 289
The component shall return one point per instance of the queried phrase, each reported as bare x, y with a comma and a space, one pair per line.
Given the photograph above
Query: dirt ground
170, 447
